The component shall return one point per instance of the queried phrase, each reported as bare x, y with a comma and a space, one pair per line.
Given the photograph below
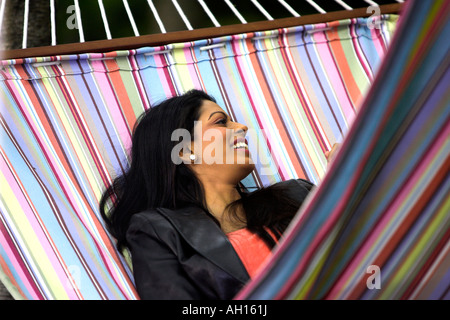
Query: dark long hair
153, 180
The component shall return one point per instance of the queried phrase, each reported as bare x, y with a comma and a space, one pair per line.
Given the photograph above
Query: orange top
251, 249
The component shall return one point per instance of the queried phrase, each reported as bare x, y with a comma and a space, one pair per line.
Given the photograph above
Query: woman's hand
332, 153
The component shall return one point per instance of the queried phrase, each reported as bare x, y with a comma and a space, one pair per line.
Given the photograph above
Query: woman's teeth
240, 145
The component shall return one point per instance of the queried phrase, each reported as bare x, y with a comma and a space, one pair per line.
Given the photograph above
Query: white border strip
238, 15
342, 3
183, 16
209, 13
79, 23
157, 17
289, 8
25, 24
53, 21
105, 19
2, 13
130, 17
316, 6
261, 8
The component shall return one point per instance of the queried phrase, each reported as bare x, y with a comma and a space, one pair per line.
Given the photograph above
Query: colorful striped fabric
378, 225
66, 124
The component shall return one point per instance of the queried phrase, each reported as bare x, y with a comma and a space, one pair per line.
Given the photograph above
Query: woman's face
219, 144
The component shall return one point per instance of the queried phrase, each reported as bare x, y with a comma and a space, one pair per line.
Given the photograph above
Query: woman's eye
221, 121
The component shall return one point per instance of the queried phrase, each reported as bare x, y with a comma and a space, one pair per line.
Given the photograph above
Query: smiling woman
190, 224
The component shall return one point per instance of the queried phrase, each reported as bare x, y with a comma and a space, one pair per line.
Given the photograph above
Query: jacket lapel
207, 238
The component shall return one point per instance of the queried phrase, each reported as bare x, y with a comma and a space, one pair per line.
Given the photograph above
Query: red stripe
426, 266
255, 110
304, 104
59, 182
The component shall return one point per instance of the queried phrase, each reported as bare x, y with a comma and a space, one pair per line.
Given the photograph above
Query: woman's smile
240, 143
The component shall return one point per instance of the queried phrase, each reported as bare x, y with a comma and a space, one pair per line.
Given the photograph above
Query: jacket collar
206, 237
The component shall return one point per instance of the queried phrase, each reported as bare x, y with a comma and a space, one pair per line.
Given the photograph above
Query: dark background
39, 28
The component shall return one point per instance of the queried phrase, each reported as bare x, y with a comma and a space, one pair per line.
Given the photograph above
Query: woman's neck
218, 196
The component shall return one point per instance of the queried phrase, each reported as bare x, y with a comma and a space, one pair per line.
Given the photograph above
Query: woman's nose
241, 127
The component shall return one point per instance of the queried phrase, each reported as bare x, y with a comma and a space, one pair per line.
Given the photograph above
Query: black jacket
183, 254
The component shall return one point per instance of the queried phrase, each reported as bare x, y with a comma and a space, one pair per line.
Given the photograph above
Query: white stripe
311, 31
265, 37
102, 59
45, 64
209, 13
297, 139
157, 52
443, 255
289, 8
183, 16
213, 46
2, 13
52, 21
156, 15
105, 20
263, 11
79, 23
25, 24
25, 255
316, 6
39, 221
342, 3
241, 18
309, 105
130, 16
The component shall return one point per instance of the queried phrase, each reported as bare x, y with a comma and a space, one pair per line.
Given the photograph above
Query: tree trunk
4, 294
38, 31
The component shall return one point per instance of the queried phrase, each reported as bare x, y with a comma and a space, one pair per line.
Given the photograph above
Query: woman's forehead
208, 107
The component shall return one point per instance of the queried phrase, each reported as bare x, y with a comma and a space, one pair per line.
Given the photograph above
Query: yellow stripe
30, 243
410, 264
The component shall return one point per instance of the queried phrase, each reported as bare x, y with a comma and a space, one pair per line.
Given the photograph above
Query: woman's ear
184, 155
187, 154
181, 152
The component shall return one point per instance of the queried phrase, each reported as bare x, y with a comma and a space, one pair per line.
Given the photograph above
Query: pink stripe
327, 226
111, 102
17, 266
47, 153
309, 207
369, 245
378, 42
37, 228
252, 93
320, 136
138, 81
360, 54
191, 65
163, 75
331, 69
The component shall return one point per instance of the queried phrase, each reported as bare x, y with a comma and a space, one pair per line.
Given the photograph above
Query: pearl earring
192, 157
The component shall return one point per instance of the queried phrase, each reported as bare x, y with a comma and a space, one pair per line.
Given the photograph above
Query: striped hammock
66, 124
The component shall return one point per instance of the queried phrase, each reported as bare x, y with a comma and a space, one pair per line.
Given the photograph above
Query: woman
193, 231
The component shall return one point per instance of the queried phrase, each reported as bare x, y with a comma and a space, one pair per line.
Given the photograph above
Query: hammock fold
378, 225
